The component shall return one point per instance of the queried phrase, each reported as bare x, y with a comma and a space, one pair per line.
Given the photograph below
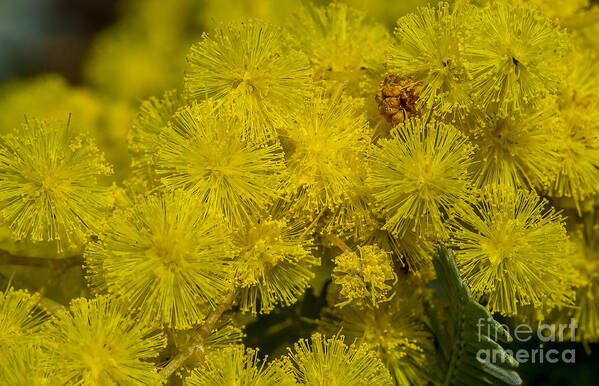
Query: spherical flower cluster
515, 57
326, 142
519, 151
164, 257
329, 361
419, 175
430, 50
513, 250
203, 152
365, 276
249, 68
344, 46
273, 264
94, 343
237, 365
396, 331
49, 184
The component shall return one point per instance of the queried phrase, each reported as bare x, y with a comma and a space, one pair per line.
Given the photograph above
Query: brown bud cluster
397, 98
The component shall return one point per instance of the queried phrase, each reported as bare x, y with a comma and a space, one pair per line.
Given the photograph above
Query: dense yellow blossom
294, 168
50, 184
166, 282
202, 151
515, 57
238, 366
514, 251
344, 46
329, 361
576, 134
249, 69
430, 50
273, 264
396, 331
518, 151
325, 143
96, 344
365, 277
419, 175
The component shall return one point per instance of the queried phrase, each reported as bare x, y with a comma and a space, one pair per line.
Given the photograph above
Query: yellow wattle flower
274, 263
249, 69
513, 251
419, 176
325, 147
396, 331
165, 258
203, 151
236, 365
49, 184
95, 343
329, 361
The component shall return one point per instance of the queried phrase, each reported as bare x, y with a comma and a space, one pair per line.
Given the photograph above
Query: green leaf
467, 335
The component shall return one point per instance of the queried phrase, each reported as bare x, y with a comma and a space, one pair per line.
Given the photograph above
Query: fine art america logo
545, 333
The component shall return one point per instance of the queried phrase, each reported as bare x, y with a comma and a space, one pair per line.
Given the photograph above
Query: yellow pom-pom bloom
515, 57
94, 343
365, 277
273, 265
343, 45
514, 251
576, 133
19, 319
322, 361
204, 153
518, 151
249, 69
396, 331
144, 137
236, 365
326, 146
429, 49
164, 257
49, 188
419, 175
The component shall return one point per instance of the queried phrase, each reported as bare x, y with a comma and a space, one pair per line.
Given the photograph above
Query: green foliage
460, 340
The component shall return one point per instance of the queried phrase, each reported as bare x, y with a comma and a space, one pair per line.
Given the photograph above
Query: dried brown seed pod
397, 98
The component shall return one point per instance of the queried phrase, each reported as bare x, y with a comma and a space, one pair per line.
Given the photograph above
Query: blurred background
98, 59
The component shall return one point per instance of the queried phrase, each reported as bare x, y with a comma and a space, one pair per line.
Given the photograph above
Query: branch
197, 341
47, 304
7, 258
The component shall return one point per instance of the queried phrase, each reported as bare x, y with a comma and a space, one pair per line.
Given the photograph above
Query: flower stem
7, 258
47, 304
197, 341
